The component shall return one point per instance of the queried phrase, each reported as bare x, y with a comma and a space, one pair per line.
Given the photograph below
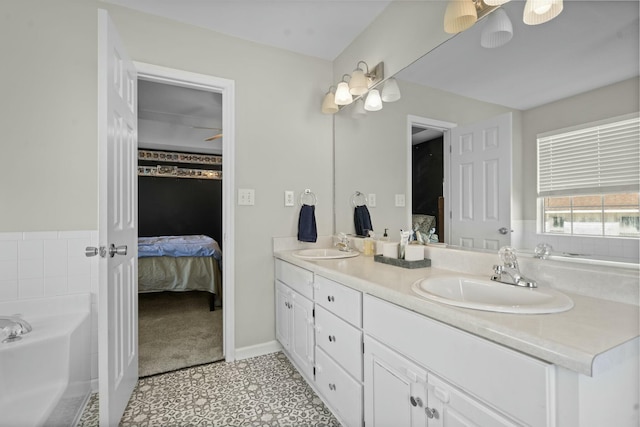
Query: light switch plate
288, 198
246, 196
371, 197
399, 200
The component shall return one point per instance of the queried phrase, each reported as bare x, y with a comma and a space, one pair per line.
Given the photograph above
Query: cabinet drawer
342, 393
342, 301
340, 340
489, 371
298, 279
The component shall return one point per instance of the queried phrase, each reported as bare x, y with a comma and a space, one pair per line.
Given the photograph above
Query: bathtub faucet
13, 327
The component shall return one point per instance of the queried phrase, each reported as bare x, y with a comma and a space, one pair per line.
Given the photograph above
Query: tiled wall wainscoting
43, 264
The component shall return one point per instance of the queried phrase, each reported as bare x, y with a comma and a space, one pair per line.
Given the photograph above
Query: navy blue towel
307, 231
362, 220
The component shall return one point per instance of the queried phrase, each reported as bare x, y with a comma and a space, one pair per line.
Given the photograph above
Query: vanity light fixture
356, 86
390, 90
497, 30
373, 102
541, 11
343, 96
329, 105
359, 85
461, 15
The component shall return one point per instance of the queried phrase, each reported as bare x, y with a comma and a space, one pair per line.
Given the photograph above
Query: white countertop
574, 339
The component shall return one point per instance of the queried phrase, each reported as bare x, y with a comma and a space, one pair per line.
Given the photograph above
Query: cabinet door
282, 315
302, 333
396, 389
450, 407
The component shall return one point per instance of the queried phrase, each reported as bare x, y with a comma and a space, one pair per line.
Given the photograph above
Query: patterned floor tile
261, 391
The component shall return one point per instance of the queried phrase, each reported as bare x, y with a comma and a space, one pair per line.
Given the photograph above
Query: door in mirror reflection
481, 184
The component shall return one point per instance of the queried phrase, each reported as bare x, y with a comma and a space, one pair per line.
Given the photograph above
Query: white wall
48, 169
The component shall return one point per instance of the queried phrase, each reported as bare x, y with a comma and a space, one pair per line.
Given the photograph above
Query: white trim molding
225, 87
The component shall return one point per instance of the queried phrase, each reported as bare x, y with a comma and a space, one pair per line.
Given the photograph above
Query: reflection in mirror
550, 76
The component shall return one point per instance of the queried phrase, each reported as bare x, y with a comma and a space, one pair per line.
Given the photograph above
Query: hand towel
362, 220
307, 231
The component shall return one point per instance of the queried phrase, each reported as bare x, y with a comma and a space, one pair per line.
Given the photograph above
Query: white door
450, 407
396, 390
302, 333
118, 196
282, 314
481, 184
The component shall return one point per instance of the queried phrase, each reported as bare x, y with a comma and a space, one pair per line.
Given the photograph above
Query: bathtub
45, 378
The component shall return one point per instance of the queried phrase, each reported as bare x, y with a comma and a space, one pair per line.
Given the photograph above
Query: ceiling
591, 44
319, 28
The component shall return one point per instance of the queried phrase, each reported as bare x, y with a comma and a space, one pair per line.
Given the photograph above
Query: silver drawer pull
432, 413
415, 401
332, 338
332, 387
330, 298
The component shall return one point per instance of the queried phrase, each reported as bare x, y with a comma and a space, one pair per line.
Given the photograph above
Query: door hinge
450, 149
363, 348
314, 370
450, 215
313, 313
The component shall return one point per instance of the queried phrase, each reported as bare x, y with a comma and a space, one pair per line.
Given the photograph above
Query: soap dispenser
369, 244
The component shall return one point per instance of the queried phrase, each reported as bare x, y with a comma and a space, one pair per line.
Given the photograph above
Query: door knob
504, 230
117, 250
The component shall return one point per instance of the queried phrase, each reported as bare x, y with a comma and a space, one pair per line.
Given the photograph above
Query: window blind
599, 158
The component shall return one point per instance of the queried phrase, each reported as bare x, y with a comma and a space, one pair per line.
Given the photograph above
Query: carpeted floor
177, 330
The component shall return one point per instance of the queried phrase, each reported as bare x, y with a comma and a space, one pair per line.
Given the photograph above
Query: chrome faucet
509, 272
13, 327
343, 243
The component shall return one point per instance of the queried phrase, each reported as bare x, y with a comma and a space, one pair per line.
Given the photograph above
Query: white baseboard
257, 350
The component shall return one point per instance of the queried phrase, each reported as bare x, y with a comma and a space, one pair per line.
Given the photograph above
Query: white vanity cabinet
459, 379
294, 315
339, 349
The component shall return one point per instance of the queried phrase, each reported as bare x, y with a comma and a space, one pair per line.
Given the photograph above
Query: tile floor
261, 391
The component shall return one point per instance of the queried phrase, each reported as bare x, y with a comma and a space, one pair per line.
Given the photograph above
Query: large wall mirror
580, 67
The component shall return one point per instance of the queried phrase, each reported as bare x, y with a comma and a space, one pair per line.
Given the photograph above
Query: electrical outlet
288, 198
372, 200
399, 200
246, 196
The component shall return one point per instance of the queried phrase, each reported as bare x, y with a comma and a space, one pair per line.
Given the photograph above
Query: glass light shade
497, 30
495, 2
343, 97
459, 16
358, 110
541, 11
358, 85
329, 105
373, 102
390, 91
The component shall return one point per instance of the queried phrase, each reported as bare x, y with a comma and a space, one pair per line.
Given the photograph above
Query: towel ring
358, 196
308, 194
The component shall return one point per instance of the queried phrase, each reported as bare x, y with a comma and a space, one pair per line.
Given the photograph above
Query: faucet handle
498, 269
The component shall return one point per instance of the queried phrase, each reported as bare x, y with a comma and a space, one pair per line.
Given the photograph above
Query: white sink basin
483, 294
324, 254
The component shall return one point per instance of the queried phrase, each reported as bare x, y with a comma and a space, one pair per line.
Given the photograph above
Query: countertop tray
403, 262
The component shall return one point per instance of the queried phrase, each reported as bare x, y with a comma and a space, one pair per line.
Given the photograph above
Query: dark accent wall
428, 172
179, 206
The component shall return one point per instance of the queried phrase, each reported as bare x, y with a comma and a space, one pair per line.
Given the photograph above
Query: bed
180, 263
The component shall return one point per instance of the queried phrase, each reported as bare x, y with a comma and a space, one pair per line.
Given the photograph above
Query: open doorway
428, 173
180, 226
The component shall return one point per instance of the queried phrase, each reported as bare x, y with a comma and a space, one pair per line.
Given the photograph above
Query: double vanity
387, 346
